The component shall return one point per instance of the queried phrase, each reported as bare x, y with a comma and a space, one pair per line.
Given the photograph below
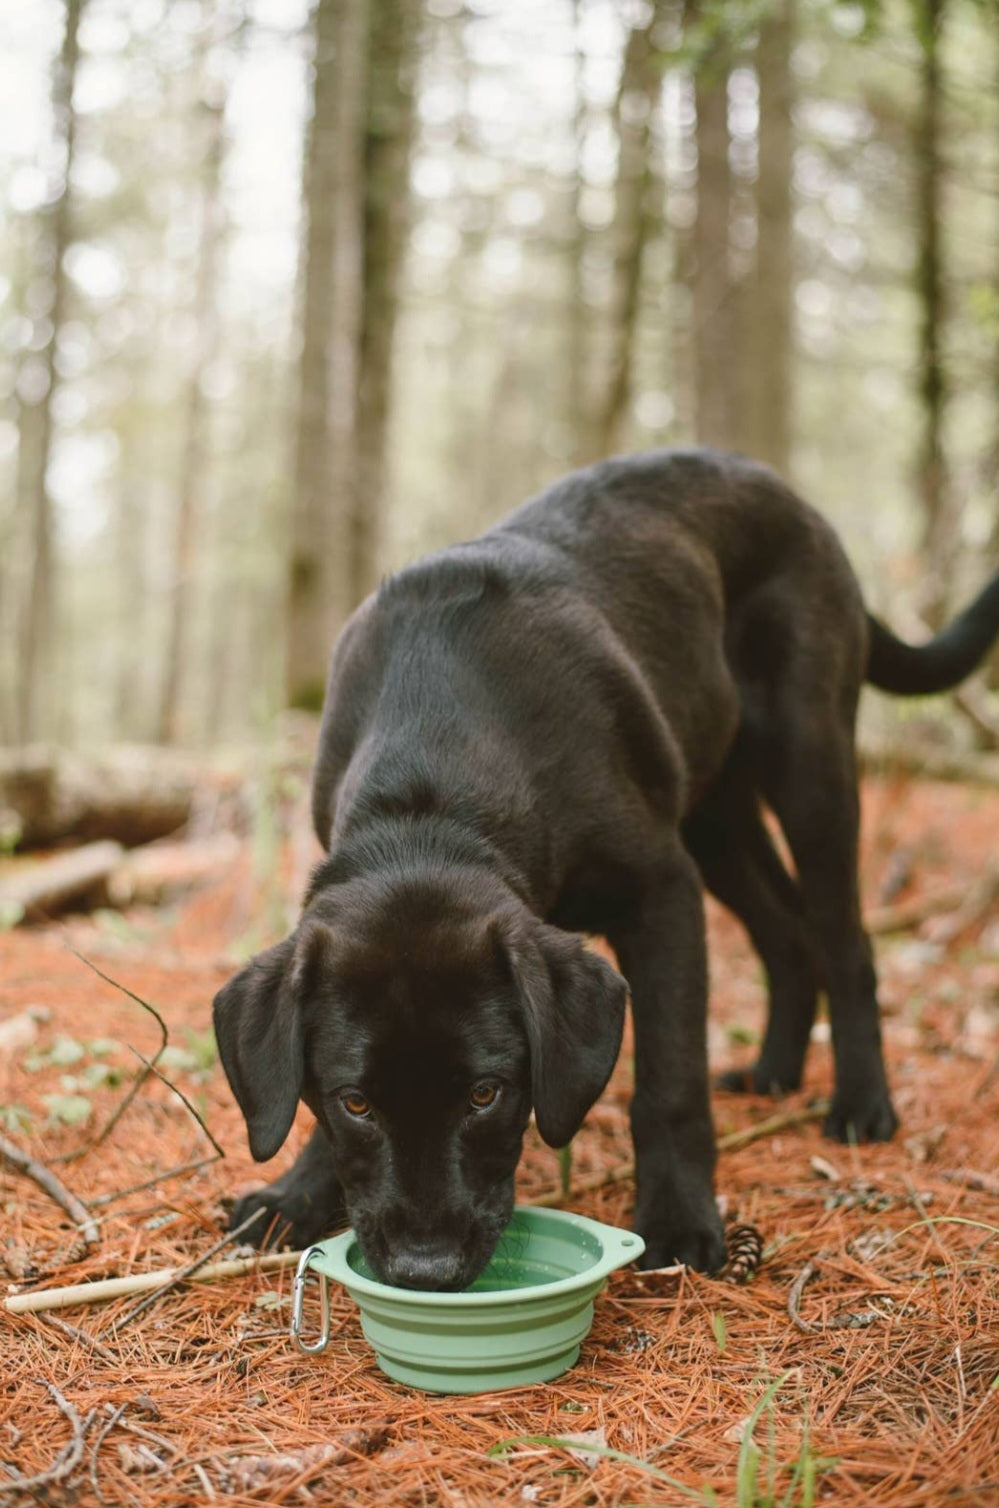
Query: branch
65, 1462
54, 1187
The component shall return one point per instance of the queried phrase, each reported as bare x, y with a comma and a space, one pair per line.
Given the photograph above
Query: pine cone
745, 1253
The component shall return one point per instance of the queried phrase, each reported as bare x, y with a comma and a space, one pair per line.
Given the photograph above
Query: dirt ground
869, 1338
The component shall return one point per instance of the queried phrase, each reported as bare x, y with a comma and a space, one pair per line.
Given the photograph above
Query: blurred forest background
290, 294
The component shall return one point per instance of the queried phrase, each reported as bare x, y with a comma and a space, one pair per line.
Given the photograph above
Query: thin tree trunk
938, 521
992, 462
714, 332
38, 627
772, 346
325, 464
392, 58
577, 344
194, 461
641, 82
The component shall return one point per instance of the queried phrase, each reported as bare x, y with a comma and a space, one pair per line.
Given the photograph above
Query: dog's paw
284, 1220
861, 1117
758, 1080
700, 1245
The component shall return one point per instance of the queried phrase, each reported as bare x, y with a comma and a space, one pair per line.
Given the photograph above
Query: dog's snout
428, 1267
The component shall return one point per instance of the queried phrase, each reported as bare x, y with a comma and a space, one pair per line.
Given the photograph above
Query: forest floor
869, 1337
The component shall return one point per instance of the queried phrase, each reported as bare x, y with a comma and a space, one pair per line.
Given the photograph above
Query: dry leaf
576, 1445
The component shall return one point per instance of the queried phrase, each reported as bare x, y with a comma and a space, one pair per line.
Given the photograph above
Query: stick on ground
54, 1187
42, 1300
65, 1462
187, 1272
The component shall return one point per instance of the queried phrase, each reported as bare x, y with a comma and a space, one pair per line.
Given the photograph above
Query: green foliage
761, 1481
720, 1331
741, 1036
198, 1058
11, 915
15, 1118
10, 833
67, 1109
565, 1170
64, 1052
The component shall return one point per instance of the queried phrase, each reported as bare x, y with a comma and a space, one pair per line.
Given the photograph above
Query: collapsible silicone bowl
522, 1320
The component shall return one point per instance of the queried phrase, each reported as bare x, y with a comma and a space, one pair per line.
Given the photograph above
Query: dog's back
646, 584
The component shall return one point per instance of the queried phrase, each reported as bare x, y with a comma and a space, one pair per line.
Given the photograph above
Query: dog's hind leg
810, 779
301, 1206
727, 838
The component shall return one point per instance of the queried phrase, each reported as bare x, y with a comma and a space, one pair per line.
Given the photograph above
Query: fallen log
132, 794
32, 892
154, 872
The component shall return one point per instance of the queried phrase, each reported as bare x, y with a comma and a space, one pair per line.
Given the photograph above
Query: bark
38, 627
641, 81
714, 332
388, 139
939, 524
325, 446
195, 457
774, 302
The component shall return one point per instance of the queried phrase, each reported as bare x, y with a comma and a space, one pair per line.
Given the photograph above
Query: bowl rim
619, 1247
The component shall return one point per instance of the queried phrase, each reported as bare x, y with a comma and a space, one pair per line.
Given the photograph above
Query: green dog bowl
521, 1321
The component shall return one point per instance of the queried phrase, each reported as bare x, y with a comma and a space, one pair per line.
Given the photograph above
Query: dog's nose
432, 1268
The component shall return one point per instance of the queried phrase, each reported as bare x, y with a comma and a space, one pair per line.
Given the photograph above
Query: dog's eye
483, 1095
355, 1104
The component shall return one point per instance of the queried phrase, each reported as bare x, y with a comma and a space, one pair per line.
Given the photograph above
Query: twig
977, 901
907, 914
204, 1479
151, 1183
153, 1438
727, 1143
794, 1299
967, 1179
83, 1336
43, 1300
102, 1434
988, 1080
174, 1089
54, 1187
186, 1272
68, 1458
105, 1132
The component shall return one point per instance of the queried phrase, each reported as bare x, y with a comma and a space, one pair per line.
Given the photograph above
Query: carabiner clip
298, 1300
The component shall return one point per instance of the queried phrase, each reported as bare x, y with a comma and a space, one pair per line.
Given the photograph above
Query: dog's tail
911, 670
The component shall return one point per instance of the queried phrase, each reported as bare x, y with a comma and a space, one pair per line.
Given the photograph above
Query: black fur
563, 727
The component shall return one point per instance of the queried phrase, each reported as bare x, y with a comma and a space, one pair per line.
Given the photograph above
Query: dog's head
420, 1022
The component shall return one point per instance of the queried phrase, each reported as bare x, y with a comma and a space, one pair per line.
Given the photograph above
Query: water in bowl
523, 1258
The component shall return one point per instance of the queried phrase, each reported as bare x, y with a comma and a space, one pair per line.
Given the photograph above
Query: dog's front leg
662, 953
301, 1206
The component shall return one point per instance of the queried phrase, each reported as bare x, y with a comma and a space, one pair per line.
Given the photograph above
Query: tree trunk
387, 148
772, 345
577, 322
194, 461
714, 333
939, 524
38, 625
325, 455
641, 81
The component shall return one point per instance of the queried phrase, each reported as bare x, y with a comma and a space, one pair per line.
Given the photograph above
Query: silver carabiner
298, 1301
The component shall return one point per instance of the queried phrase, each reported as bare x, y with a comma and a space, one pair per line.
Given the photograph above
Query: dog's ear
574, 1007
261, 1038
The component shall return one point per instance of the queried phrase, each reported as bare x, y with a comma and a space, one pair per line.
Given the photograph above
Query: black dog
563, 727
